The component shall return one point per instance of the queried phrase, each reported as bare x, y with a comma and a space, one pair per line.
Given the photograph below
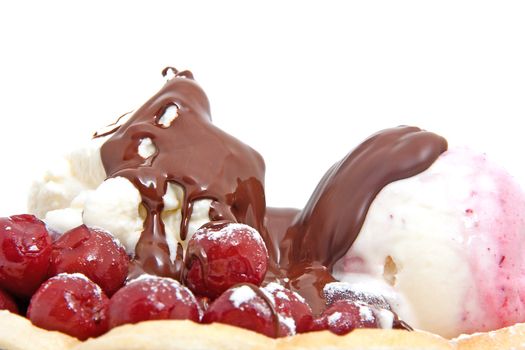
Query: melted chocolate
326, 228
271, 306
210, 164
204, 160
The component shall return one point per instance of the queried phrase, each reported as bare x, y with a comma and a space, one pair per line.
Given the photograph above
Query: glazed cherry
248, 307
94, 253
223, 254
7, 303
25, 247
291, 305
72, 304
152, 298
344, 316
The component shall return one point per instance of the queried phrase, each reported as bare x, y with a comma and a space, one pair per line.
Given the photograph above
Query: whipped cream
76, 192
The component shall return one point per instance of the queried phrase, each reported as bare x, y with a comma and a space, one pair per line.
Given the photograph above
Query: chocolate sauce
278, 220
331, 220
271, 306
210, 164
204, 160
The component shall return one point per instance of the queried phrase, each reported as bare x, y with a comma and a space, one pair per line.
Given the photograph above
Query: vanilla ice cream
451, 241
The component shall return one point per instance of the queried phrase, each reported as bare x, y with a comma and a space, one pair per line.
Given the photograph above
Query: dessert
165, 200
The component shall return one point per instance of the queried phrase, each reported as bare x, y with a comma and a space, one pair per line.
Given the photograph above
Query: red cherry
25, 247
7, 303
336, 291
248, 307
291, 305
72, 304
152, 298
344, 316
344, 291
94, 253
223, 254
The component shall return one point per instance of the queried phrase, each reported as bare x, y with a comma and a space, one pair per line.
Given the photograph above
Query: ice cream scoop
451, 240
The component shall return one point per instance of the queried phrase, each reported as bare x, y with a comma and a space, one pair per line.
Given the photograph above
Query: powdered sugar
273, 286
287, 322
386, 318
66, 276
365, 313
71, 303
115, 240
277, 289
334, 318
230, 234
153, 284
78, 275
241, 295
345, 291
282, 295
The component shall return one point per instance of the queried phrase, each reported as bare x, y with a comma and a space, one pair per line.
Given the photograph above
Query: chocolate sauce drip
208, 163
199, 256
326, 228
205, 161
275, 315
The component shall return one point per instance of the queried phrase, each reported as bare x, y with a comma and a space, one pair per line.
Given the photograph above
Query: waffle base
17, 333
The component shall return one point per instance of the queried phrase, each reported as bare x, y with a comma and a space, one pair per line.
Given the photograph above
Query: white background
302, 82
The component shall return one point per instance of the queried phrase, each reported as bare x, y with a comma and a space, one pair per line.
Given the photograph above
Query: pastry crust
17, 333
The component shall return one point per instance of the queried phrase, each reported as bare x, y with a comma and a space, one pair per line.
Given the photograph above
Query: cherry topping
72, 304
223, 254
94, 253
344, 316
344, 291
249, 307
24, 254
336, 291
152, 298
7, 303
292, 305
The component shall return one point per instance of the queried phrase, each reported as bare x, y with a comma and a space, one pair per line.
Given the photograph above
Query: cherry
94, 253
344, 316
336, 291
222, 254
25, 247
249, 307
291, 305
152, 298
7, 302
72, 304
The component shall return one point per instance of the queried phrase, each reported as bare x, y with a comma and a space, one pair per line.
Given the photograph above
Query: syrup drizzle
271, 306
208, 163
